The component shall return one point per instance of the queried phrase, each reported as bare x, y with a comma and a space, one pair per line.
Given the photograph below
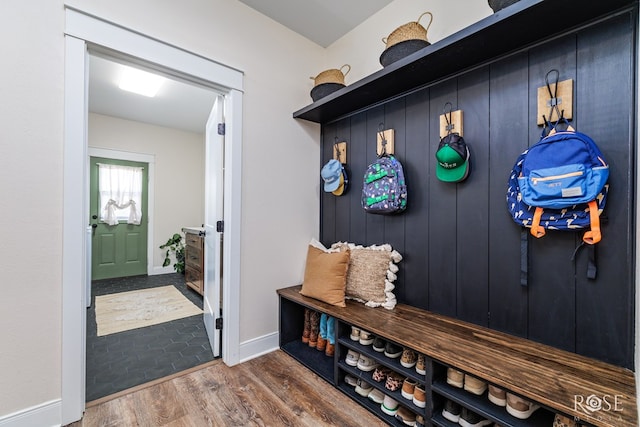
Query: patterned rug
136, 309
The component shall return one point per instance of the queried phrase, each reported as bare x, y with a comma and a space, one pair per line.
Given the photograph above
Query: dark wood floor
271, 390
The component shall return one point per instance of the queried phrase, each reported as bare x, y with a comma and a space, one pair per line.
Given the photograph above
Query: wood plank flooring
271, 390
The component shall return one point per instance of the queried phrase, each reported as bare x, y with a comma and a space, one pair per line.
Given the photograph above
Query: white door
213, 213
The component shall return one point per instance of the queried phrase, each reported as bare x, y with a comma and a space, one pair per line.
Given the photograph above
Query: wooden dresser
194, 258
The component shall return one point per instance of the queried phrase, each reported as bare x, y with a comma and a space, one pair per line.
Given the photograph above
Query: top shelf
510, 29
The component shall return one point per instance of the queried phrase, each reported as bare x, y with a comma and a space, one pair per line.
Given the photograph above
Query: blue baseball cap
331, 173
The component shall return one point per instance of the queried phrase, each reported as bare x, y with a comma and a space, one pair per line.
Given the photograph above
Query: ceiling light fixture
140, 82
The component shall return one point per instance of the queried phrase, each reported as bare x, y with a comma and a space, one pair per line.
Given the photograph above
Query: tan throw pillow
325, 275
372, 271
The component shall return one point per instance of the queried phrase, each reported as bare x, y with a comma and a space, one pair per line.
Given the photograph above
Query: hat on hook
453, 159
344, 181
331, 173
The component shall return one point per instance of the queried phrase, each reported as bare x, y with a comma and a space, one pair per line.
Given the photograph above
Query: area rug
136, 309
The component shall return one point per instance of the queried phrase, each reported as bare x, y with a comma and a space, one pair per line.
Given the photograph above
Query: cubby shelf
516, 27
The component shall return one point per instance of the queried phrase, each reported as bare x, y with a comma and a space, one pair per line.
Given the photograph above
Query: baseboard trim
161, 270
259, 346
45, 414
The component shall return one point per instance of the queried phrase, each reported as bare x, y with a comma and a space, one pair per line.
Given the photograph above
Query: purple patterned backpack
384, 191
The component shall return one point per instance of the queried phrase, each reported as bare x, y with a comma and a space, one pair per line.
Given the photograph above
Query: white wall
179, 171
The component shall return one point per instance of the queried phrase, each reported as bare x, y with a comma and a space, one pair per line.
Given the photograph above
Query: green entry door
118, 250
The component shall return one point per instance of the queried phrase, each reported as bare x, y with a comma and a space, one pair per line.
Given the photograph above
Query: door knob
94, 216
94, 226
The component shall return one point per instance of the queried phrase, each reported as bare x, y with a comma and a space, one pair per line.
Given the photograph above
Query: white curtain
120, 189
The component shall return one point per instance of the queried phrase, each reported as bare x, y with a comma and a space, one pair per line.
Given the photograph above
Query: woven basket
497, 5
331, 76
408, 31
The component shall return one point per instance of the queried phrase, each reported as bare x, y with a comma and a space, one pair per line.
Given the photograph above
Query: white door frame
83, 30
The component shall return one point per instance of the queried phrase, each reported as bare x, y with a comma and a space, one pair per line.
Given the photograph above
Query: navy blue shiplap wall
461, 249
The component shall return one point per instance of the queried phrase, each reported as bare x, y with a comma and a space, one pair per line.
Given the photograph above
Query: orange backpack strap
536, 230
593, 236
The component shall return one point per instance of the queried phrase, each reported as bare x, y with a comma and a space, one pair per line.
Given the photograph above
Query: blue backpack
559, 183
384, 190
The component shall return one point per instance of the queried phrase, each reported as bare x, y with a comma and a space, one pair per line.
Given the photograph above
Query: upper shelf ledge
510, 29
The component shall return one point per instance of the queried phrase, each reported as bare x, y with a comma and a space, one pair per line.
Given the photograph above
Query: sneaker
419, 397
365, 363
421, 366
355, 334
352, 358
409, 358
394, 381
408, 386
351, 380
455, 378
380, 374
469, 418
376, 396
389, 406
451, 411
419, 421
366, 338
391, 350
474, 385
363, 388
406, 416
379, 344
497, 396
519, 407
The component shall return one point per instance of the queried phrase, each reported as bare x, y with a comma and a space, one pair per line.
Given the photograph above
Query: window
120, 189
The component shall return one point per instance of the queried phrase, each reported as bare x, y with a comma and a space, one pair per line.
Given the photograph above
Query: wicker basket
497, 5
408, 31
331, 76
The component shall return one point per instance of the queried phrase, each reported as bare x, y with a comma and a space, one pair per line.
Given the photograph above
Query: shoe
330, 350
307, 326
380, 374
391, 350
419, 396
365, 363
406, 416
562, 421
351, 380
409, 358
519, 407
366, 338
355, 334
389, 406
321, 344
469, 418
394, 381
421, 367
352, 358
455, 378
363, 388
419, 421
408, 386
378, 344
474, 385
451, 411
314, 322
497, 396
376, 396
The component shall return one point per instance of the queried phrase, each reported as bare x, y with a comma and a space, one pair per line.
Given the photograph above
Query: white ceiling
186, 106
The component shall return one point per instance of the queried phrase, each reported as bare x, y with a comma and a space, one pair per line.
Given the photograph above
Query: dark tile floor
119, 361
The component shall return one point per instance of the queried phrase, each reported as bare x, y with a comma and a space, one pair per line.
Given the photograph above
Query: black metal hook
447, 116
553, 103
383, 140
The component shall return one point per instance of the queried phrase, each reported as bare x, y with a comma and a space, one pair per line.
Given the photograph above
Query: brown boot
330, 350
322, 343
307, 326
314, 321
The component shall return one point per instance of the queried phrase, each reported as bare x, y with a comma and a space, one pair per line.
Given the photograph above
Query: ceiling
186, 106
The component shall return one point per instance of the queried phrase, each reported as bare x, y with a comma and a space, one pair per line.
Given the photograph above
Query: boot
331, 339
330, 350
314, 322
307, 326
322, 334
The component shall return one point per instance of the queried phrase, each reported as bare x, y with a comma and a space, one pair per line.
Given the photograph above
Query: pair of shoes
470, 383
406, 416
421, 366
363, 388
414, 392
394, 381
451, 411
497, 396
391, 350
379, 344
519, 407
365, 363
469, 418
376, 396
409, 358
389, 406
380, 374
352, 358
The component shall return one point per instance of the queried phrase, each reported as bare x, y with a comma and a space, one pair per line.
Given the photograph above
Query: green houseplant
176, 246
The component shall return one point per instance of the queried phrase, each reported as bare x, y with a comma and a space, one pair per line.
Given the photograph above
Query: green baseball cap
453, 159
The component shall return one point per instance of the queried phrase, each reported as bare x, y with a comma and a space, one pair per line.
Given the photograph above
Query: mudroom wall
460, 246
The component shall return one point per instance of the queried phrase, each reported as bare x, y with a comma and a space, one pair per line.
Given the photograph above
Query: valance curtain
120, 189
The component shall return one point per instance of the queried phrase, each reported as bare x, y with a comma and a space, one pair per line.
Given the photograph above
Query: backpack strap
524, 257
594, 235
536, 230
